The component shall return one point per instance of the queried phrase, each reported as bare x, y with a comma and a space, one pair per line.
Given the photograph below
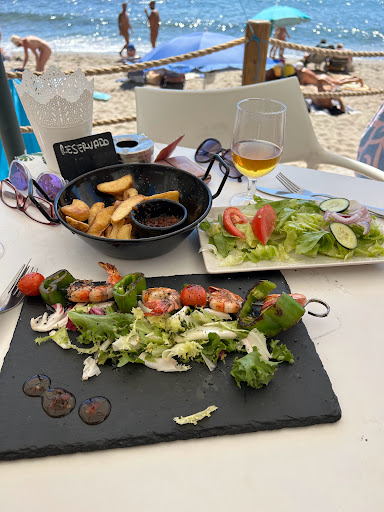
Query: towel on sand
314, 109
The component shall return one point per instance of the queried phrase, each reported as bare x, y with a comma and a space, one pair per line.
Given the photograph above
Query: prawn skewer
223, 300
161, 300
92, 291
272, 298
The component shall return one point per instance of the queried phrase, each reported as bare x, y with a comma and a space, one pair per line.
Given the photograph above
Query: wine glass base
241, 200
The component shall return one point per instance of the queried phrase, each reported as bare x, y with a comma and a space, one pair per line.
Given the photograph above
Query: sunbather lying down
308, 77
330, 104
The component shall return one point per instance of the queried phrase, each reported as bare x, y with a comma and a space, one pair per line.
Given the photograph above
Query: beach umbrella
282, 16
230, 58
225, 59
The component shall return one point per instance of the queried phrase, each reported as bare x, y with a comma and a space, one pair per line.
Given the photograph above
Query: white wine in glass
257, 142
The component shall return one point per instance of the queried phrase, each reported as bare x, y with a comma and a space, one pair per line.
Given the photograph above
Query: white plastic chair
165, 115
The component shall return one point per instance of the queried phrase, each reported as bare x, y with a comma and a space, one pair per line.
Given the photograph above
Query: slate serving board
144, 401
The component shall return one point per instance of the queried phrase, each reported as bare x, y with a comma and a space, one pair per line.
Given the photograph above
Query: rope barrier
323, 51
109, 70
102, 122
341, 93
324, 94
207, 51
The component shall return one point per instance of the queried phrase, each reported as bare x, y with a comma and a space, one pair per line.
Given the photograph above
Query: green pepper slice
53, 289
127, 291
281, 315
255, 295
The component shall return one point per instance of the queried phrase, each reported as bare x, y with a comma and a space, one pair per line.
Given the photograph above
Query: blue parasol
225, 59
282, 16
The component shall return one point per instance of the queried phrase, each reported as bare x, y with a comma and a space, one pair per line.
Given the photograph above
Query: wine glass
1, 249
257, 142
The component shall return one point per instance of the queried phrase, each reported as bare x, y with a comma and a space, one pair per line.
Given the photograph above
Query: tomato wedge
263, 223
232, 216
193, 295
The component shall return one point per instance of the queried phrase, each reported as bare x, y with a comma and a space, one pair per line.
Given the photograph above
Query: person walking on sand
281, 34
124, 26
154, 22
38, 46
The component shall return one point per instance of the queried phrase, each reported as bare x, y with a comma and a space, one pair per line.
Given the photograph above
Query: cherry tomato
29, 284
263, 223
193, 295
231, 217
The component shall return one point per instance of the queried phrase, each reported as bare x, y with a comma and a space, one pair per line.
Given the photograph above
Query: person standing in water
38, 46
154, 22
124, 26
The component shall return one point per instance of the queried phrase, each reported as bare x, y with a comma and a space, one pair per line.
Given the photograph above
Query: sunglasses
210, 147
33, 197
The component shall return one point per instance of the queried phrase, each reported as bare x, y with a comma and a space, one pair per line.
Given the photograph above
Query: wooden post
255, 52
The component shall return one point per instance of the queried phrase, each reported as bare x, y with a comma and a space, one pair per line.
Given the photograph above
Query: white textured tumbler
59, 107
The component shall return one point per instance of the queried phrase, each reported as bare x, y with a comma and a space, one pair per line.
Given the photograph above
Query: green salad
169, 343
301, 228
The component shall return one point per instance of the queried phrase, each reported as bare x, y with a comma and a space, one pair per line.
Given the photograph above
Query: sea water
91, 26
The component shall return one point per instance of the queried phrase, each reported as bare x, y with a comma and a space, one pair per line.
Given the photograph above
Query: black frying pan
148, 179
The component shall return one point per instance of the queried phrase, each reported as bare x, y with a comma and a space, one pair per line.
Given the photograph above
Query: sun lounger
337, 64
317, 59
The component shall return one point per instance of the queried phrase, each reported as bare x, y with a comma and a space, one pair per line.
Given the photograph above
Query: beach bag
371, 146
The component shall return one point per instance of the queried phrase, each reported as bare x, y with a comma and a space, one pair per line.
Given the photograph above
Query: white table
335, 467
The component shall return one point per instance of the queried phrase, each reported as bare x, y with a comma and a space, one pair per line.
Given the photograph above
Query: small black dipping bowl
153, 208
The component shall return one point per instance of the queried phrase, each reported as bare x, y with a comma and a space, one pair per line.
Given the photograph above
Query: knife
282, 193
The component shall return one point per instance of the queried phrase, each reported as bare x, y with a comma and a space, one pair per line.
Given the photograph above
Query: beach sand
339, 134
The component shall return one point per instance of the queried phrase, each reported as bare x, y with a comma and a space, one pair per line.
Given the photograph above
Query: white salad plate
212, 264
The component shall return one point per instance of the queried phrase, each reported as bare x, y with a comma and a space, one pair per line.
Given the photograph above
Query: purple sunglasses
50, 183
20, 191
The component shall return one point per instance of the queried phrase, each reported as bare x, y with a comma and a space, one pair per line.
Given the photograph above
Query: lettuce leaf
215, 347
280, 352
253, 370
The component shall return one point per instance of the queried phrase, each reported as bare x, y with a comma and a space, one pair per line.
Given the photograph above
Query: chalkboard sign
78, 156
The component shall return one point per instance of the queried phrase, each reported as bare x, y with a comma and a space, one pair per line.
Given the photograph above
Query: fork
295, 189
11, 297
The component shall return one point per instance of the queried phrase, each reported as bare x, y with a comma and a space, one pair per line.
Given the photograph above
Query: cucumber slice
344, 235
336, 204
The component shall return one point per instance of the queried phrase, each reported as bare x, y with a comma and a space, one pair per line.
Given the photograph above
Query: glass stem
251, 188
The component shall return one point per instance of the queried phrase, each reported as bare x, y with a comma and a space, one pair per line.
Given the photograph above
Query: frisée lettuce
170, 343
300, 229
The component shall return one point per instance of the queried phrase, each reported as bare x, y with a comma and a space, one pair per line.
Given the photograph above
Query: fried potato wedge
77, 224
124, 209
101, 222
78, 210
94, 210
125, 232
130, 192
116, 187
174, 195
108, 231
115, 229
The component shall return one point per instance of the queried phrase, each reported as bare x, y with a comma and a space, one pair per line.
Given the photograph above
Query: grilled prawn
223, 300
161, 300
92, 291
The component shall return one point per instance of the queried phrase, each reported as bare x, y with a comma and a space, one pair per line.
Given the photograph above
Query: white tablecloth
335, 467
